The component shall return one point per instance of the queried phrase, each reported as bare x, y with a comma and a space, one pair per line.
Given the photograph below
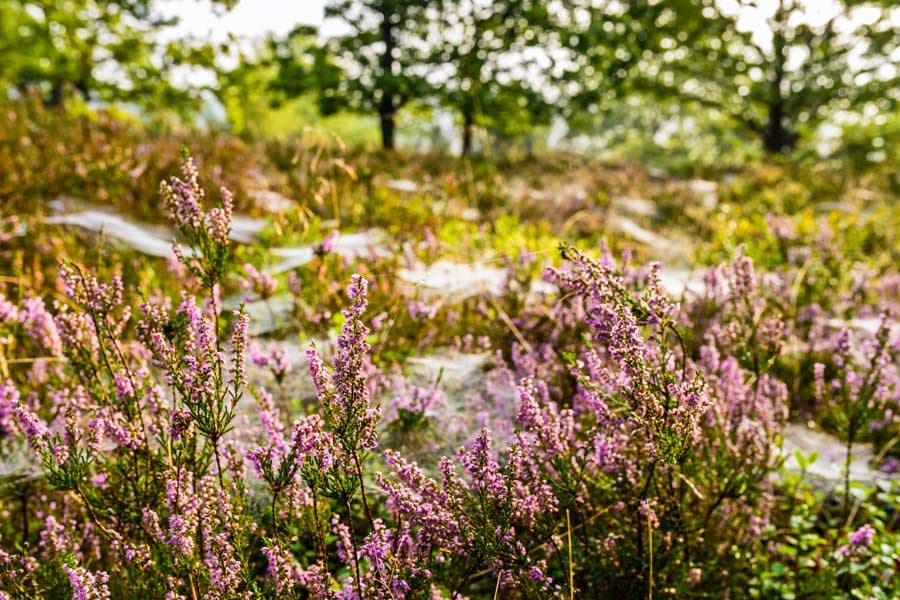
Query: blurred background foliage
680, 85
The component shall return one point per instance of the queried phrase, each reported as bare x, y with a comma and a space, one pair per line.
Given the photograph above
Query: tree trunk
386, 105
57, 91
468, 124
777, 138
386, 117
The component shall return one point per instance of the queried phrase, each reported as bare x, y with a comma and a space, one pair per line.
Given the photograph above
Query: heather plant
412, 418
864, 390
673, 435
277, 362
411, 407
624, 444
800, 306
120, 447
827, 256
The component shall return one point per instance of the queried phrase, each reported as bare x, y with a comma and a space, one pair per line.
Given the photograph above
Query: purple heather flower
260, 283
87, 585
40, 325
36, 431
744, 277
890, 465
343, 390
421, 311
282, 567
9, 400
326, 245
85, 290
863, 536
294, 284
819, 381
646, 510
239, 345
207, 233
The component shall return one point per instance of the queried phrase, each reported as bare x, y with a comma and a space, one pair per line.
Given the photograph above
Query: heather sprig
636, 367
17, 575
208, 386
411, 405
652, 434
276, 361
206, 233
87, 585
343, 390
864, 385
479, 518
259, 282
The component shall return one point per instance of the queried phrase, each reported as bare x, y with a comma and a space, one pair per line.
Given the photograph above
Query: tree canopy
788, 74
103, 50
507, 66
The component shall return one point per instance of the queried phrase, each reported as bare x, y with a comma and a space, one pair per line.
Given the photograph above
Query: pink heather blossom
863, 536
239, 342
342, 390
420, 311
260, 283
294, 284
282, 567
9, 400
206, 233
276, 360
326, 245
40, 325
87, 585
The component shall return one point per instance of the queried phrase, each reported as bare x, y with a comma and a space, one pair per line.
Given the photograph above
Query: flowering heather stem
650, 550
362, 489
98, 300
355, 545
571, 566
275, 512
79, 494
848, 459
215, 444
319, 536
